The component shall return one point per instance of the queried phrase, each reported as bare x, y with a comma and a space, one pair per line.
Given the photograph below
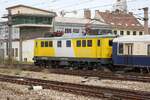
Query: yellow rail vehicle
74, 51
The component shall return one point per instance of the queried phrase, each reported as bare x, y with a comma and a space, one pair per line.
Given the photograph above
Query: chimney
130, 13
87, 13
145, 20
97, 14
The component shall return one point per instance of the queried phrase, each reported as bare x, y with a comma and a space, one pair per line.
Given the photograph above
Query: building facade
122, 23
28, 23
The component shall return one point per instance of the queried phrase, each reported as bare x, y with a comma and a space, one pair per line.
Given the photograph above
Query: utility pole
10, 37
145, 20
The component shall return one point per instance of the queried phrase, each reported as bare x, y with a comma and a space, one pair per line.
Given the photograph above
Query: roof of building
77, 20
16, 6
130, 39
78, 36
121, 20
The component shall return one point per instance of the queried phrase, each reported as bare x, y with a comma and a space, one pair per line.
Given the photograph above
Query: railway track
91, 73
101, 92
102, 75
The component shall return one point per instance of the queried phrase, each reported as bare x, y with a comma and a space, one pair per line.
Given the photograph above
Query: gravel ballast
141, 86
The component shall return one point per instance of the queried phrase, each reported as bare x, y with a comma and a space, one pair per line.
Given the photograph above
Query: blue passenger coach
132, 51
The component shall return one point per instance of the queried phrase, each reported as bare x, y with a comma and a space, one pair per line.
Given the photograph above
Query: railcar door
128, 53
99, 47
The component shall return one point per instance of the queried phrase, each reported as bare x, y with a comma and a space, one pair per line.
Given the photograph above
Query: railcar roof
76, 37
140, 38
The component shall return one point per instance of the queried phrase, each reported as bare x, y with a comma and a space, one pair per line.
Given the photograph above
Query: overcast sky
78, 5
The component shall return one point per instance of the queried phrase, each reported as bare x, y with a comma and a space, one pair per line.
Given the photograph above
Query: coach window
46, 43
120, 48
89, 43
42, 44
148, 50
99, 43
83, 43
78, 43
50, 44
59, 44
68, 43
110, 42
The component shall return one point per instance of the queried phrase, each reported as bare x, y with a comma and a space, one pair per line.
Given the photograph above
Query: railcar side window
68, 43
50, 44
83, 43
42, 44
99, 43
148, 50
110, 42
120, 48
78, 43
46, 43
89, 43
59, 44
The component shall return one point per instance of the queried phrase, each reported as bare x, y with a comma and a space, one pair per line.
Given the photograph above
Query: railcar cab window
68, 43
50, 44
78, 43
83, 43
59, 44
99, 43
36, 44
120, 48
42, 44
110, 42
89, 43
46, 43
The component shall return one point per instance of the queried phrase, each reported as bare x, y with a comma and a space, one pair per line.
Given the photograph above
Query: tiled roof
121, 20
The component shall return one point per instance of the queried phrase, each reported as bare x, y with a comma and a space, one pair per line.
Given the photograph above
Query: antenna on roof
63, 13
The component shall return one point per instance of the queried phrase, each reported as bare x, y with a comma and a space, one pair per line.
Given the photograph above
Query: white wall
27, 50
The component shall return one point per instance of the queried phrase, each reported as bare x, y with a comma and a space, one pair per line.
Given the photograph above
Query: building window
46, 43
68, 30
115, 32
134, 32
13, 52
121, 32
42, 44
148, 50
78, 43
128, 32
99, 43
89, 43
110, 42
50, 44
83, 43
16, 52
75, 30
7, 48
68, 43
140, 33
59, 44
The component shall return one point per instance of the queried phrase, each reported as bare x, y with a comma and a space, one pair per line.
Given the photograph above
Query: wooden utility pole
10, 37
146, 20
